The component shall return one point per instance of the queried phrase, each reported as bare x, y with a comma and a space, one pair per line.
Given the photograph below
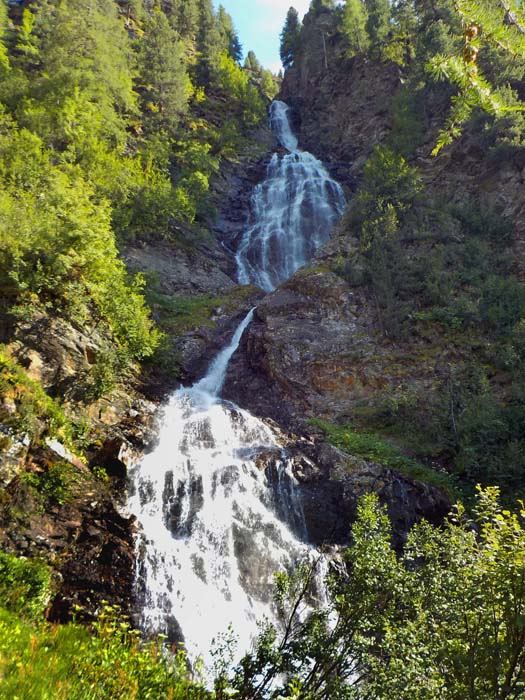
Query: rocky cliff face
316, 347
342, 105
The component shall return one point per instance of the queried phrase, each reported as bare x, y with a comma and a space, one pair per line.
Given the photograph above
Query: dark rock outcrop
83, 536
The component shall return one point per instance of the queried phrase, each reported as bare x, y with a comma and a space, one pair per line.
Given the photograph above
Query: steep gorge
317, 361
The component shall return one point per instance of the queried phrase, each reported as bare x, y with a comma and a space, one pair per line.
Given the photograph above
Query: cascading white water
215, 525
293, 211
211, 536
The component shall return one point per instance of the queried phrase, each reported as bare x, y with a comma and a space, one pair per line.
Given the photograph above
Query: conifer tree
208, 43
498, 24
84, 58
290, 37
230, 40
252, 62
319, 5
378, 22
188, 19
165, 85
354, 26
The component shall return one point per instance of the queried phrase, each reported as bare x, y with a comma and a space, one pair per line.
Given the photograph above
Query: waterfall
293, 211
216, 499
215, 526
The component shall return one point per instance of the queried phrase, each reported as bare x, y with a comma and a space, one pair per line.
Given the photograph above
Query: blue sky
259, 23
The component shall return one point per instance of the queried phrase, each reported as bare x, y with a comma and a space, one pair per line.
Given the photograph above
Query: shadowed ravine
216, 499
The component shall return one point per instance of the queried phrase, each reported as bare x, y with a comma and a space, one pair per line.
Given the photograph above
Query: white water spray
211, 538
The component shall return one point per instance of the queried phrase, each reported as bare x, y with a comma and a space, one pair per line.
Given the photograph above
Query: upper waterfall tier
281, 127
293, 211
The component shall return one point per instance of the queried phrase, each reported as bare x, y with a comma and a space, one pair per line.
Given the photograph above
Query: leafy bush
439, 621
54, 484
25, 586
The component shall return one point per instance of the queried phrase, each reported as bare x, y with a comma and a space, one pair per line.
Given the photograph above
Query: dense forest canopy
109, 132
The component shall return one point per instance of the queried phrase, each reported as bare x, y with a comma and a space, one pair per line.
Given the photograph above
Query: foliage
104, 139
442, 621
317, 6
378, 21
388, 190
33, 407
54, 484
290, 37
25, 585
408, 117
71, 662
354, 26
497, 25
230, 40
371, 446
245, 96
165, 85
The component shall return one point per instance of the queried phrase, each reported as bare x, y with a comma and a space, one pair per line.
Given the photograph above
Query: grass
369, 445
72, 662
107, 661
179, 314
33, 405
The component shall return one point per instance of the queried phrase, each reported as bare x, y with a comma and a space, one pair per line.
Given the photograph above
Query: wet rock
116, 455
88, 542
331, 485
14, 449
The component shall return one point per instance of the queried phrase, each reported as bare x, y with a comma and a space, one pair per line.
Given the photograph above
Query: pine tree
317, 6
230, 40
290, 37
208, 44
188, 19
354, 26
252, 62
497, 24
378, 22
165, 87
84, 59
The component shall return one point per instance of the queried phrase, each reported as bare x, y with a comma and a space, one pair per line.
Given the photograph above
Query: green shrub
25, 585
54, 485
35, 410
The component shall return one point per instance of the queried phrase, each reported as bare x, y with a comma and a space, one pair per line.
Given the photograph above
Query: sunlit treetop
498, 24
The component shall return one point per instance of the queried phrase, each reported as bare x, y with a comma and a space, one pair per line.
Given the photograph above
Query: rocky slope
317, 346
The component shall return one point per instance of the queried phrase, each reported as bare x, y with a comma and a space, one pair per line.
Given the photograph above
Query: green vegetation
55, 483
442, 621
111, 125
290, 37
355, 18
39, 661
25, 586
369, 445
33, 408
443, 272
71, 662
